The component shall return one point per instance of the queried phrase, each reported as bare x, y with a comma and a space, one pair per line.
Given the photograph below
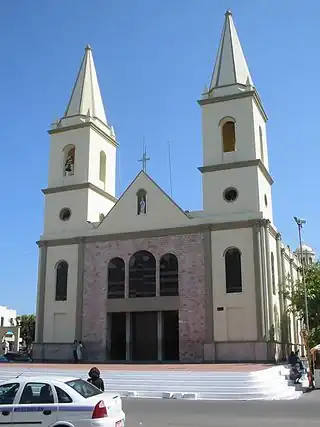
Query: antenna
170, 172
19, 375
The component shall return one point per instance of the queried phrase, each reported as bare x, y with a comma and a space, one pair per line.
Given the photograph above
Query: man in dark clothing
292, 359
95, 379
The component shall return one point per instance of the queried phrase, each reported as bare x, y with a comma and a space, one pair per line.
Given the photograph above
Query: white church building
138, 278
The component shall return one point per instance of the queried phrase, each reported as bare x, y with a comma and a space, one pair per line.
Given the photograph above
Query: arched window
141, 202
116, 278
261, 144
142, 275
229, 136
169, 275
103, 167
232, 259
62, 281
69, 157
273, 278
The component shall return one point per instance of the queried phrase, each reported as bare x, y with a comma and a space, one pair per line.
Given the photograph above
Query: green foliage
296, 298
27, 325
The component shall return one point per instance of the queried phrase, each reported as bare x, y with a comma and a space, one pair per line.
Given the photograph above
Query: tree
27, 328
296, 297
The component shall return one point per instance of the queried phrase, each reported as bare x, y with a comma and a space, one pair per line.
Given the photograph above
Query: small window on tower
229, 136
261, 144
103, 167
65, 214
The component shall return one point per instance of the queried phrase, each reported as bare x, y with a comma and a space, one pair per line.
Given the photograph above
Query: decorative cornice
236, 165
188, 229
82, 185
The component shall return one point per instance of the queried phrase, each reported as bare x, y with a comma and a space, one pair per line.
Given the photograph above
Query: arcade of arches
160, 337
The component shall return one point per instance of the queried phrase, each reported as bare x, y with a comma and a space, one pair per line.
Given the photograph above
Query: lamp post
300, 222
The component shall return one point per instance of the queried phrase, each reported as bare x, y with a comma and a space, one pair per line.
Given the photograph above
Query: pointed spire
86, 98
230, 67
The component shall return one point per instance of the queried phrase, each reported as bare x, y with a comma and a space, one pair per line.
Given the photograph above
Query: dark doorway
144, 336
118, 336
170, 336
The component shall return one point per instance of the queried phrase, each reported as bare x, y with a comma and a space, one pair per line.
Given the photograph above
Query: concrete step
269, 384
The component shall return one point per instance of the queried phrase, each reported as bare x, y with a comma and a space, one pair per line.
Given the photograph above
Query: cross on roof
144, 159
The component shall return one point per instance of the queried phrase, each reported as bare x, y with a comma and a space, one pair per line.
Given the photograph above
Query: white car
58, 402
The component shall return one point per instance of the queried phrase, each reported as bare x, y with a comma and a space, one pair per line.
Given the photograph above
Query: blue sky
153, 59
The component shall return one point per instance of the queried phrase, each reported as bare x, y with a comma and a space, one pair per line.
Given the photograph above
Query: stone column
260, 302
41, 290
269, 277
128, 336
264, 281
285, 305
159, 331
157, 277
126, 279
279, 270
79, 308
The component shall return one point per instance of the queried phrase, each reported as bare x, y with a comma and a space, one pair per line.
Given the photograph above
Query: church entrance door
118, 336
144, 336
170, 336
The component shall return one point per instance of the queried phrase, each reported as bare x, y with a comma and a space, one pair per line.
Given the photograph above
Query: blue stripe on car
61, 408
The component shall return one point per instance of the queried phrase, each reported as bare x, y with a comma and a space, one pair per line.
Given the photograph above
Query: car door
8, 393
36, 405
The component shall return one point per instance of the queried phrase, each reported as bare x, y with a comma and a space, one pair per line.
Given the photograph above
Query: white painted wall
245, 180
97, 144
247, 143
80, 139
264, 189
161, 211
57, 310
275, 290
238, 320
259, 121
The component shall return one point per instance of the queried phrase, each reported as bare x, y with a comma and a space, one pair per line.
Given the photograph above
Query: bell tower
235, 172
82, 164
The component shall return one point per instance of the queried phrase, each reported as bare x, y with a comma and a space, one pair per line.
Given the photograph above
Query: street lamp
300, 222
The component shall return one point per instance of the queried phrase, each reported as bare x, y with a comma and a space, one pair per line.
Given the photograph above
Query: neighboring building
139, 278
308, 254
9, 330
7, 317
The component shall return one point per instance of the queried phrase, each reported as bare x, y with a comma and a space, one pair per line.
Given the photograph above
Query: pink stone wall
188, 248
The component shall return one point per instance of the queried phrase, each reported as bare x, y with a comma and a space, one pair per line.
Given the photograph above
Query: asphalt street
176, 413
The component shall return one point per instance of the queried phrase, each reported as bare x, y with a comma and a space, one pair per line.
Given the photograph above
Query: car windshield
84, 388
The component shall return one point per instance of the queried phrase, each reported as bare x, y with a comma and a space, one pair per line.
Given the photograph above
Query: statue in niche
69, 164
142, 204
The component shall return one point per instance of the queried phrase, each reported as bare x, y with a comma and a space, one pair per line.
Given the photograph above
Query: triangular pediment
143, 206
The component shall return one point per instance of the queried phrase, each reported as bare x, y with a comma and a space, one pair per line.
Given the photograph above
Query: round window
65, 214
230, 194
265, 200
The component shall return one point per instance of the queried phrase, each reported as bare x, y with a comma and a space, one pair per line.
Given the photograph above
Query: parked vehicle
50, 400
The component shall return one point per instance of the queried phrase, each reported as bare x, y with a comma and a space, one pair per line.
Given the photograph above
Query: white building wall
6, 315
245, 180
275, 291
241, 110
237, 322
60, 316
80, 139
98, 144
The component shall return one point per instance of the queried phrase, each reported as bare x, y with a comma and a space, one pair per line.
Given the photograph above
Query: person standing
95, 379
75, 352
79, 351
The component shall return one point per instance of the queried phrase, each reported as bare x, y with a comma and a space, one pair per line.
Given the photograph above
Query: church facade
138, 278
